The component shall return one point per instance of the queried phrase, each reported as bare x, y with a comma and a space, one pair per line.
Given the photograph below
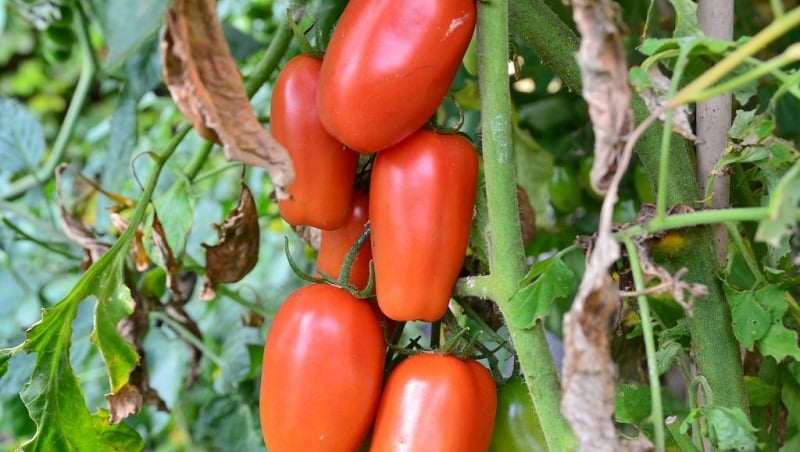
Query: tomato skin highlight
388, 66
436, 402
422, 196
325, 170
516, 426
335, 244
322, 372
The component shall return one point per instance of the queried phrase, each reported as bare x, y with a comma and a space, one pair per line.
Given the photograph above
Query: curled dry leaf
237, 251
204, 82
604, 69
656, 101
165, 253
309, 234
123, 403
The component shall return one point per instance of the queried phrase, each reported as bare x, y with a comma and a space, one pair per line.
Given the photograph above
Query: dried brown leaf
76, 230
123, 403
655, 99
603, 64
204, 82
309, 234
237, 252
141, 260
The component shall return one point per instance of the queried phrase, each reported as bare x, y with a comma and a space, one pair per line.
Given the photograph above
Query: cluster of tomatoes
384, 74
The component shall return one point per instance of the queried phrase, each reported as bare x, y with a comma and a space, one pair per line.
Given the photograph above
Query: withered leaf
165, 253
237, 252
123, 403
204, 82
141, 260
603, 64
655, 99
76, 230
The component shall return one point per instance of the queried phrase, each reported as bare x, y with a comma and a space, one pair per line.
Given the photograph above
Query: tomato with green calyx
422, 194
324, 169
436, 402
565, 190
516, 426
322, 371
388, 66
335, 244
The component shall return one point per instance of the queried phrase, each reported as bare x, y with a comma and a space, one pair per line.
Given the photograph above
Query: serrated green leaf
118, 437
782, 209
779, 343
53, 394
546, 282
729, 429
21, 146
115, 17
5, 356
685, 18
743, 124
235, 358
751, 321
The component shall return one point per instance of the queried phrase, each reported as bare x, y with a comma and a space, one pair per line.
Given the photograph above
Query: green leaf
729, 429
53, 394
666, 354
759, 392
175, 209
534, 167
633, 403
780, 342
685, 18
751, 321
235, 357
21, 146
546, 282
115, 18
480, 222
782, 209
743, 124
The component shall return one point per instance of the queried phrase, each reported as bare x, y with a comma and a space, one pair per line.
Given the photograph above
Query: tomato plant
388, 66
335, 244
422, 194
324, 170
322, 371
516, 425
436, 402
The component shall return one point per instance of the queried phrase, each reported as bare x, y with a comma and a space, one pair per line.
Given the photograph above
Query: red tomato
388, 66
422, 195
322, 372
435, 402
335, 244
324, 169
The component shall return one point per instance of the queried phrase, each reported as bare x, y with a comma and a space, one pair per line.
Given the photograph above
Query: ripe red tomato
422, 195
335, 244
322, 372
436, 402
388, 66
324, 169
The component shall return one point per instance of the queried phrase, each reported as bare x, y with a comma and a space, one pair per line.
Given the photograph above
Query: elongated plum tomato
422, 195
435, 402
322, 372
335, 244
324, 169
388, 66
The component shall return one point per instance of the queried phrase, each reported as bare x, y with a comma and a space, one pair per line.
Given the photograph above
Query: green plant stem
656, 410
726, 66
85, 79
272, 56
684, 443
534, 22
506, 256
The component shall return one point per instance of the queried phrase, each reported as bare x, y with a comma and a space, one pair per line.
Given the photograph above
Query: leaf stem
187, 336
656, 410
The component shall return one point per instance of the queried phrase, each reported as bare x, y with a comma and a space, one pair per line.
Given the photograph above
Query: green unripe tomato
565, 191
516, 425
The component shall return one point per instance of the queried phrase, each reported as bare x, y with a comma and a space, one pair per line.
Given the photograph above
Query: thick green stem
506, 259
715, 345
